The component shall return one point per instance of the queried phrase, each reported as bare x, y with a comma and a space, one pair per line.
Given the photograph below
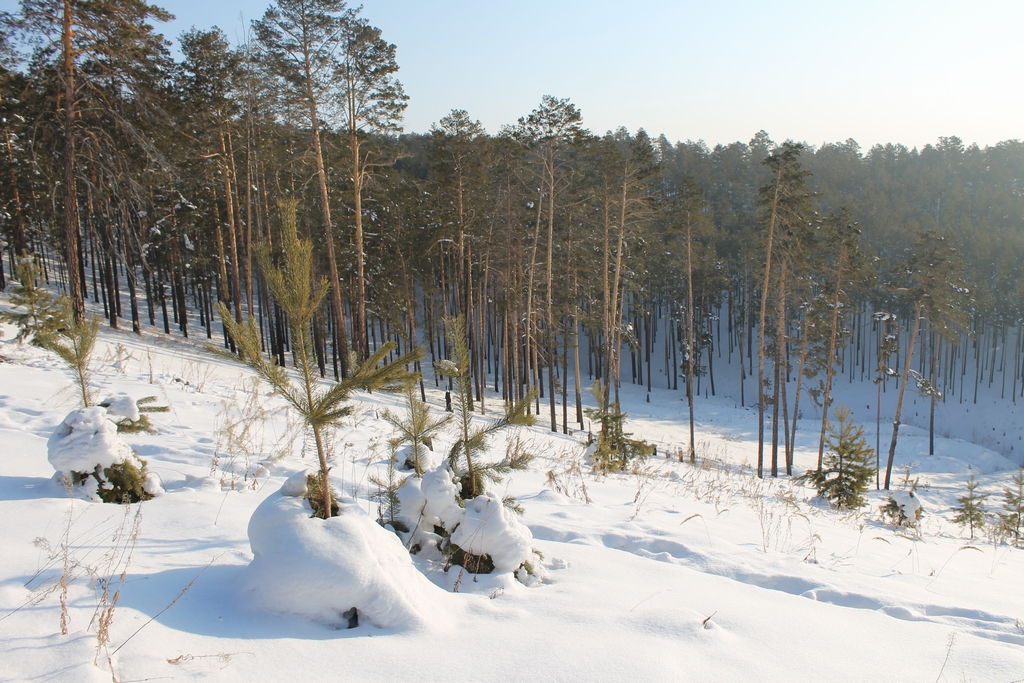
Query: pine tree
615, 450
300, 297
101, 41
1012, 518
842, 237
935, 286
300, 40
389, 504
846, 468
417, 429
72, 339
35, 300
550, 132
456, 149
784, 206
464, 456
372, 102
970, 508
208, 73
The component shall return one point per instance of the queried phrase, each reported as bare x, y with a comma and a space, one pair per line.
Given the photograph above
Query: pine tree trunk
773, 218
691, 341
780, 375
551, 350
71, 225
829, 371
359, 327
899, 400
791, 446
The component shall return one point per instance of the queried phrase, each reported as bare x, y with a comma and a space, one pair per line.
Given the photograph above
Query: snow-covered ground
669, 573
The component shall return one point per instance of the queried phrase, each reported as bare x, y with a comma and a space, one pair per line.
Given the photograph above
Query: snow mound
321, 569
441, 494
295, 485
121, 405
153, 485
86, 438
404, 458
490, 528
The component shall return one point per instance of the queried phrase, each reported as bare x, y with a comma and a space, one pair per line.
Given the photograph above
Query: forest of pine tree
570, 256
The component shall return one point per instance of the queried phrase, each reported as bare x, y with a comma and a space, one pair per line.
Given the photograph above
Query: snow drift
321, 569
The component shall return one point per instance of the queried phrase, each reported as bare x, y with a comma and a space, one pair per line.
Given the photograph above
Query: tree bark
71, 220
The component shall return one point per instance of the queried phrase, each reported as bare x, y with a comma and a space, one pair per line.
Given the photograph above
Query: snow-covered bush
490, 532
340, 571
86, 448
448, 514
903, 507
482, 534
130, 415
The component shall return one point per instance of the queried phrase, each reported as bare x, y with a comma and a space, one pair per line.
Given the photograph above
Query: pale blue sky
877, 71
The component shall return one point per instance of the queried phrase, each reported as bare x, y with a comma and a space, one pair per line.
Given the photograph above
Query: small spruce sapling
1011, 519
847, 467
615, 449
970, 508
299, 296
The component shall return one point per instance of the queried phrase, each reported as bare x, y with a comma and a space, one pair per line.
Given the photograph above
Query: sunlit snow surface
675, 573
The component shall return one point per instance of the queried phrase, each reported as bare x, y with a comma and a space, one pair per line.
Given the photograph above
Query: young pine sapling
1011, 519
417, 429
970, 508
472, 441
299, 297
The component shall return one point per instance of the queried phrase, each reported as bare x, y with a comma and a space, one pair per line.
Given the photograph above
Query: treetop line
555, 248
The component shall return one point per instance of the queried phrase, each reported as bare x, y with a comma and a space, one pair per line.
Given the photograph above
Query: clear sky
878, 71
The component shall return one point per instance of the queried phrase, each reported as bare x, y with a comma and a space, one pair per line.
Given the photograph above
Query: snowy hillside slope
672, 572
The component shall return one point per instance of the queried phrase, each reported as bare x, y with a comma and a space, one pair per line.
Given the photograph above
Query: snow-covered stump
339, 571
86, 448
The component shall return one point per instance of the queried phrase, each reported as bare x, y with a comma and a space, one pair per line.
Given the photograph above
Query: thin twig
170, 605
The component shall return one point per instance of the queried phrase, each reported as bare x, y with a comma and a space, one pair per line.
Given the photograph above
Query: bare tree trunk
71, 224
20, 243
232, 231
791, 446
903, 387
325, 200
773, 218
691, 340
780, 356
551, 350
829, 372
530, 353
617, 298
359, 319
